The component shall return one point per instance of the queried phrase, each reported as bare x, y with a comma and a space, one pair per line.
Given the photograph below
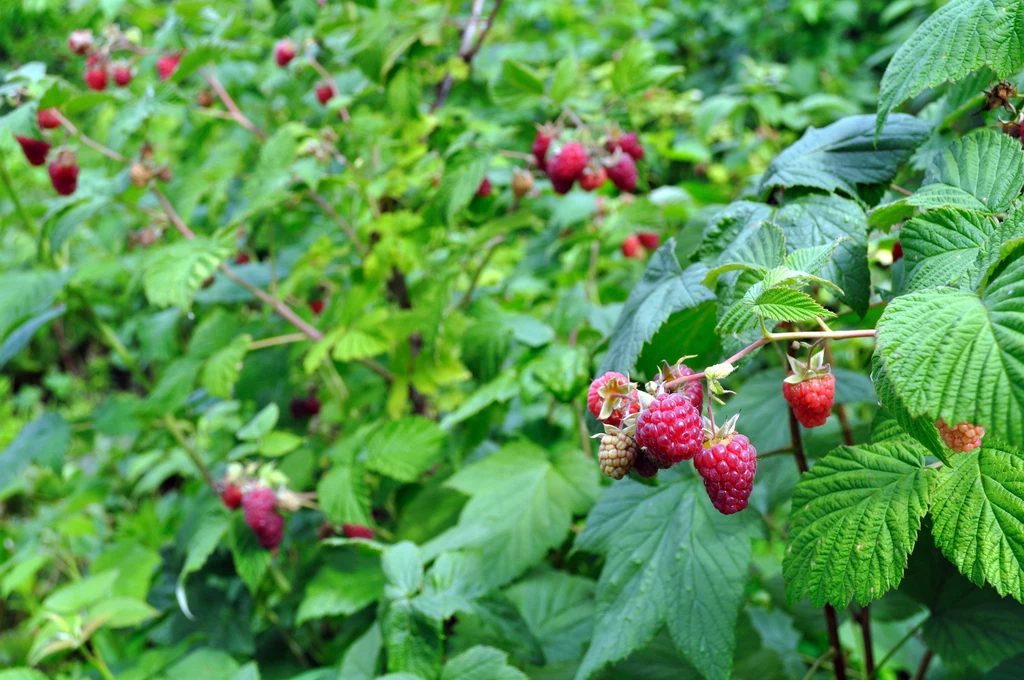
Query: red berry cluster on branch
253, 490
580, 159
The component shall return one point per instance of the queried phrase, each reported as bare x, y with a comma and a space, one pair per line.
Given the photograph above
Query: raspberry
316, 306
623, 174
561, 187
324, 93
540, 146
629, 144
811, 399
205, 98
96, 79
961, 438
232, 496
64, 173
304, 408
612, 388
242, 258
591, 179
728, 469
260, 507
617, 453
140, 174
80, 42
568, 164
284, 51
670, 429
484, 190
357, 531
522, 182
650, 240
691, 389
167, 65
631, 247
645, 466
122, 74
47, 119
35, 150
897, 251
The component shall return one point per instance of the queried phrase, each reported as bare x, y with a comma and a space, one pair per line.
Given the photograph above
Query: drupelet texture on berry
670, 429
568, 163
623, 174
629, 143
540, 147
811, 400
592, 178
617, 453
728, 469
961, 438
260, 507
693, 389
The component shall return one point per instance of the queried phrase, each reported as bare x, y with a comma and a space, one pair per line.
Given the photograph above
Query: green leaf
405, 449
978, 514
786, 304
664, 290
855, 520
122, 612
517, 86
953, 355
203, 542
22, 335
403, 567
670, 558
343, 495
413, 641
251, 559
174, 273
176, 383
846, 153
961, 37
521, 505
944, 196
919, 429
941, 247
986, 164
481, 663
360, 660
262, 423
203, 663
21, 674
460, 183
565, 79
45, 440
277, 444
821, 220
70, 598
221, 371
559, 610
730, 227
26, 294
340, 593
635, 69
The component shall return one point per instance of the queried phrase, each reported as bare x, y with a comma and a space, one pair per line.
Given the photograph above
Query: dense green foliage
288, 273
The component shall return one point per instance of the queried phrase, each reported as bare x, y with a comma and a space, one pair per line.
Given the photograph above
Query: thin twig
172, 426
926, 661
232, 108
489, 248
817, 664
277, 340
865, 629
341, 222
105, 150
900, 190
467, 47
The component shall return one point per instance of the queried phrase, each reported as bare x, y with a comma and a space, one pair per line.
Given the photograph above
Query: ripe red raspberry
47, 119
811, 399
316, 306
670, 429
284, 51
260, 507
242, 258
302, 408
96, 79
35, 150
623, 174
484, 190
617, 392
728, 469
324, 93
80, 42
691, 389
631, 247
897, 251
645, 466
122, 74
591, 179
650, 240
961, 438
629, 144
617, 453
569, 163
167, 65
64, 173
561, 187
540, 146
357, 531
232, 496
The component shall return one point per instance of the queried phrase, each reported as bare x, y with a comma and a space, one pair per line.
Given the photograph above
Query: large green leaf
959, 38
664, 290
174, 273
941, 247
25, 294
405, 449
559, 609
954, 355
986, 164
846, 153
821, 220
855, 520
670, 559
481, 663
412, 638
521, 505
333, 592
730, 227
978, 515
45, 440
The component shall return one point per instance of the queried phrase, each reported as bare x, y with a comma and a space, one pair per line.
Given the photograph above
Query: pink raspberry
540, 146
961, 438
811, 399
357, 531
670, 429
260, 506
629, 143
595, 401
569, 163
623, 174
728, 469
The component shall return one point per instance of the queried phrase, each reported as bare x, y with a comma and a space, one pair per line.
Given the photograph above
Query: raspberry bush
486, 340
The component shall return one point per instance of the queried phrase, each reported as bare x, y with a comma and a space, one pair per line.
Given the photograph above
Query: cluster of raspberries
589, 164
658, 427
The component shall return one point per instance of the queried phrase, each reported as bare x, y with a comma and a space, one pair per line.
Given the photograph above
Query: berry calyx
484, 190
35, 150
961, 438
567, 165
728, 466
617, 452
284, 51
631, 247
670, 429
80, 41
231, 497
608, 396
260, 507
623, 173
522, 182
122, 74
592, 178
47, 119
357, 531
96, 79
692, 389
64, 173
167, 65
650, 240
628, 142
324, 93
810, 390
